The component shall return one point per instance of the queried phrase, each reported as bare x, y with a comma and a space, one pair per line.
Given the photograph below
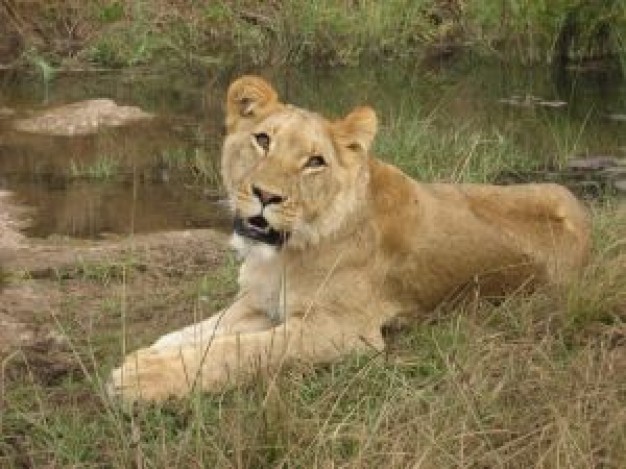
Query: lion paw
149, 375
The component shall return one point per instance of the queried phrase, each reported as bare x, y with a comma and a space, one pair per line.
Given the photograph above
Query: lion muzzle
258, 229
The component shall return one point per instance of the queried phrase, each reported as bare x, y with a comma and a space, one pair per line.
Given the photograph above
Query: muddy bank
61, 292
12, 219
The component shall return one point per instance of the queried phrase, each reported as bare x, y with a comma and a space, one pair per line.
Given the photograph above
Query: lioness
336, 243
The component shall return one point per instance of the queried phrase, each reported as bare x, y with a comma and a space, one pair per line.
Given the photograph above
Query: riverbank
199, 36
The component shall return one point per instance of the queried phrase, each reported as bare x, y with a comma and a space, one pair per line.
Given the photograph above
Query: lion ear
357, 130
248, 100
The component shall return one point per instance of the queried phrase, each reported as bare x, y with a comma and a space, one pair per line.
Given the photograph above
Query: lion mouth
258, 229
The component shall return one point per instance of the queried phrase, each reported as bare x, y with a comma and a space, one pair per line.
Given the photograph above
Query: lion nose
266, 197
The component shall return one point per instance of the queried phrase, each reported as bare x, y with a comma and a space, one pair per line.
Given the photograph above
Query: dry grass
537, 381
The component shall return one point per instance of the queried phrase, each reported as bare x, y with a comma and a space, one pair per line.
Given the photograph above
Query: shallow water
163, 173
149, 186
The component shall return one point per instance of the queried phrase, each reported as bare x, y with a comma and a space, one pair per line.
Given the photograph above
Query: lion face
293, 178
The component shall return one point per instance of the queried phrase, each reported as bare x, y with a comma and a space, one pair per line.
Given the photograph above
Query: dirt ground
58, 294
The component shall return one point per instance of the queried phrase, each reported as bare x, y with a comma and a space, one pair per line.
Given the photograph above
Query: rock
553, 104
81, 118
520, 101
593, 163
531, 101
615, 171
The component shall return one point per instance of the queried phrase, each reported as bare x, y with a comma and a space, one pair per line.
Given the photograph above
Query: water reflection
95, 209
134, 179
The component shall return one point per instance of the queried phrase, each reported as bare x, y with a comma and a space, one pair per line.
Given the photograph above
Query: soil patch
62, 295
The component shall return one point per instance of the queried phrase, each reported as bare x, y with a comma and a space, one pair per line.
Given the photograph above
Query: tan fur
367, 243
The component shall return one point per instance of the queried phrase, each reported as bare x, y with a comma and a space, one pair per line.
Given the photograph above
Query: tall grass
201, 35
542, 31
462, 153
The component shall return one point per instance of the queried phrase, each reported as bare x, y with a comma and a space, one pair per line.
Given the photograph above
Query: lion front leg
238, 318
155, 374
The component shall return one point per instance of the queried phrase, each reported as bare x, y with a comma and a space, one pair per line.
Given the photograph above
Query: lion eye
316, 161
263, 140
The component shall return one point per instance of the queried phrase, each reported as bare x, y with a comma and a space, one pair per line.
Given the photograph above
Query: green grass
429, 151
103, 168
99, 272
539, 31
199, 163
212, 35
537, 381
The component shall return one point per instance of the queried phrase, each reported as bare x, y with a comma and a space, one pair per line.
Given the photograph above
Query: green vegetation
103, 273
196, 162
203, 34
430, 152
545, 31
43, 68
103, 168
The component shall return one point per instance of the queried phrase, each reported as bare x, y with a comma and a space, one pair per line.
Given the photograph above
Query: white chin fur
246, 247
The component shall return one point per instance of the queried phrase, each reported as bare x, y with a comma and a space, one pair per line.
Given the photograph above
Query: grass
103, 168
213, 35
486, 386
418, 145
558, 31
199, 163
